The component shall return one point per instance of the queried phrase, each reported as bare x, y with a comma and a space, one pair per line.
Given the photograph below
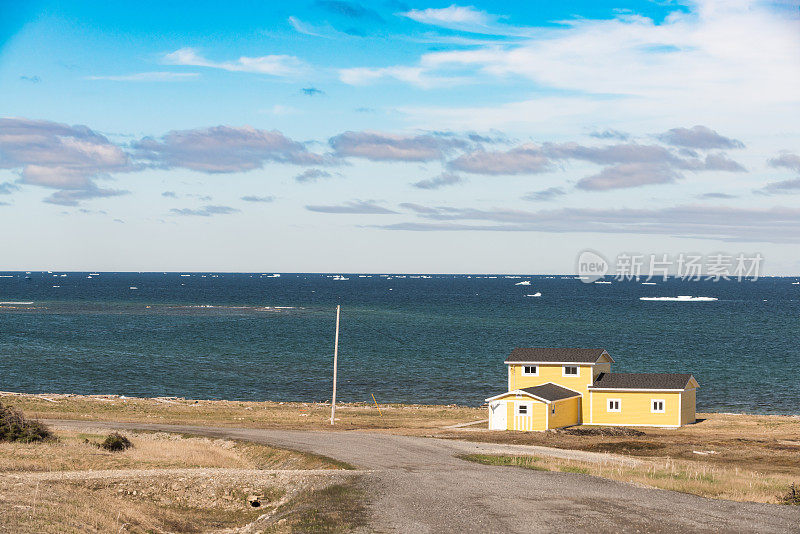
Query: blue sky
335, 135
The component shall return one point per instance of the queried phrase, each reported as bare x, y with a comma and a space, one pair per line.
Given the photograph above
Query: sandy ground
418, 484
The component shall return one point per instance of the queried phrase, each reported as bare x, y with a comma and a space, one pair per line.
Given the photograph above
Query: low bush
115, 442
792, 496
14, 427
603, 431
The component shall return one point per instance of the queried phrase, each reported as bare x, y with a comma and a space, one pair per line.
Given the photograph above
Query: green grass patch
571, 469
327, 459
527, 462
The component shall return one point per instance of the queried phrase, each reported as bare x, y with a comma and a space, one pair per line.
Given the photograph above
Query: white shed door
498, 416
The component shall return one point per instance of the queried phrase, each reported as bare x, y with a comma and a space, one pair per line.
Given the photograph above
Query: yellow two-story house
552, 388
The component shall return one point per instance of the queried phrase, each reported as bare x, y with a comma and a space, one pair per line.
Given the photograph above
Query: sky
392, 136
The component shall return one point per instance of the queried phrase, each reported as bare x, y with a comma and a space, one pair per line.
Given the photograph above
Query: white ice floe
523, 283
601, 282
13, 303
537, 294
133, 287
681, 298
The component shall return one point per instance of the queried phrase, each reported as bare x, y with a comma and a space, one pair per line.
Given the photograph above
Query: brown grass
767, 444
100, 506
336, 508
737, 450
119, 500
77, 451
289, 415
697, 478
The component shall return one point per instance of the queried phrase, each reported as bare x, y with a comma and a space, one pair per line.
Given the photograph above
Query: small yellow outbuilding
542, 407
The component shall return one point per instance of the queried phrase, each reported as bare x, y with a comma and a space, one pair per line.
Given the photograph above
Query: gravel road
417, 486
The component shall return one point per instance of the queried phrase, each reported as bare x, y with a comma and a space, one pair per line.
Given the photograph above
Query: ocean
438, 339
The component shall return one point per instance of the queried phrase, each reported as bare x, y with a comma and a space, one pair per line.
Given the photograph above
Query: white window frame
535, 373
653, 407
577, 371
527, 406
610, 409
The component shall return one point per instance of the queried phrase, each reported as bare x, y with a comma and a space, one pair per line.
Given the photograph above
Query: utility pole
335, 363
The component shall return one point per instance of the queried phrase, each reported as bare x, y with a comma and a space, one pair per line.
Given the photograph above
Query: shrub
792, 496
14, 427
115, 442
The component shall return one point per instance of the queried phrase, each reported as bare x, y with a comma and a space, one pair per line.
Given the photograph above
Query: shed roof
548, 392
555, 355
551, 392
641, 381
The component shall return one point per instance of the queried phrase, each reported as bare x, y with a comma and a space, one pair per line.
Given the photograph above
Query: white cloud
524, 159
417, 76
204, 211
274, 65
454, 17
733, 64
699, 137
353, 207
703, 54
73, 197
380, 146
59, 156
437, 182
629, 175
224, 149
305, 28
693, 221
787, 160
159, 76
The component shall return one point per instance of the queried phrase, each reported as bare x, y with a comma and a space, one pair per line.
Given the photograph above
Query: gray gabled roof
551, 392
554, 355
641, 381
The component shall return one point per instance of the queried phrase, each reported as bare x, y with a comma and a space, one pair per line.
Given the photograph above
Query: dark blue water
421, 340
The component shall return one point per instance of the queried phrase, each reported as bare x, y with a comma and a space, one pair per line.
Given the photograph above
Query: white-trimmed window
530, 370
657, 406
570, 370
523, 409
614, 405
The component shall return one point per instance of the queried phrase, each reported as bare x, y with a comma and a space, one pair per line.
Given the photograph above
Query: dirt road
417, 485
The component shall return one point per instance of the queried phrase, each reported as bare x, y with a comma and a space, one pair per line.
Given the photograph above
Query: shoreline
101, 397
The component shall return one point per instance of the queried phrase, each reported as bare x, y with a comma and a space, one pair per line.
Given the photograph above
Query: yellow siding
534, 421
635, 408
537, 409
553, 373
567, 413
688, 401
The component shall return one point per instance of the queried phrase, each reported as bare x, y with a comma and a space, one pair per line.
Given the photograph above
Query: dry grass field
727, 456
284, 415
171, 483
739, 457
